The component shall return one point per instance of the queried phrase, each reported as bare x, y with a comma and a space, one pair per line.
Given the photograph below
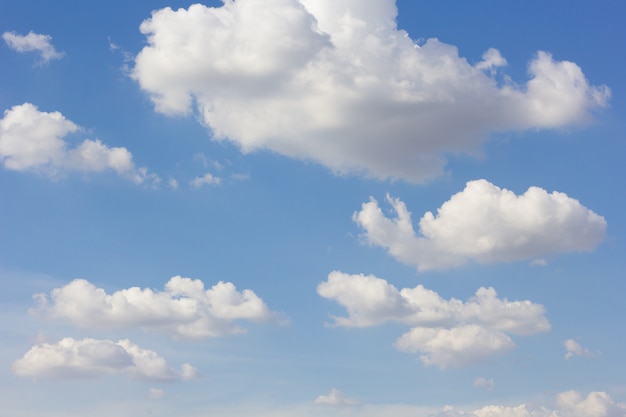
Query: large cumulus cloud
484, 223
339, 83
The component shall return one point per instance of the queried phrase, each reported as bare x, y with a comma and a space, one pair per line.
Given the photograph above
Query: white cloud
339, 83
32, 42
568, 404
482, 382
335, 398
185, 308
485, 224
575, 349
596, 404
456, 347
206, 179
31, 140
71, 358
446, 333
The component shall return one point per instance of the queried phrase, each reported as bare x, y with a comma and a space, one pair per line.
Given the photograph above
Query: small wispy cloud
173, 183
156, 393
575, 349
206, 179
33, 42
482, 382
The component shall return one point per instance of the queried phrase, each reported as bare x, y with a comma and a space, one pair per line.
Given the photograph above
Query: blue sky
300, 207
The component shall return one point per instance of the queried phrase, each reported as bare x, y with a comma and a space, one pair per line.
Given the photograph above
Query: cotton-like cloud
446, 333
596, 404
72, 358
184, 308
335, 398
567, 404
32, 42
339, 83
32, 140
456, 347
575, 349
485, 224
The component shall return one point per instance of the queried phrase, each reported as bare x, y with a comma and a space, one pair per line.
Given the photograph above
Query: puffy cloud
185, 308
32, 42
455, 347
485, 224
446, 333
596, 404
575, 349
339, 83
206, 179
335, 398
32, 140
568, 404
72, 358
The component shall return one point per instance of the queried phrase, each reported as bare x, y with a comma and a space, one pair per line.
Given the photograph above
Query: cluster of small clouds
567, 404
339, 83
485, 224
32, 140
72, 358
184, 308
33, 42
446, 333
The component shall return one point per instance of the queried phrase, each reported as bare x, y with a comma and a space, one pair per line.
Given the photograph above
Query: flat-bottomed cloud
485, 224
185, 308
72, 358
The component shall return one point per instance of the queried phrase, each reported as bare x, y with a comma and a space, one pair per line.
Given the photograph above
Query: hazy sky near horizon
312, 207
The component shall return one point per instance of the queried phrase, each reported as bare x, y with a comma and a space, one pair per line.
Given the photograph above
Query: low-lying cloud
90, 358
